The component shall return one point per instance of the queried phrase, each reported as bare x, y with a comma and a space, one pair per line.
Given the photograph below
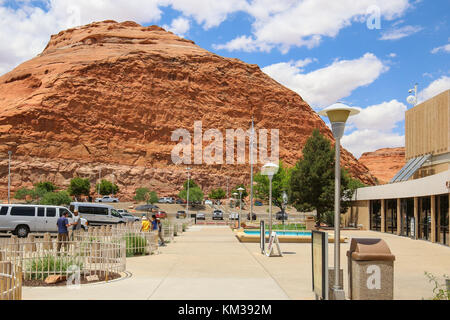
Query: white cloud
382, 117
365, 140
398, 33
374, 128
444, 48
392, 55
209, 13
288, 23
244, 43
25, 32
437, 86
178, 26
327, 85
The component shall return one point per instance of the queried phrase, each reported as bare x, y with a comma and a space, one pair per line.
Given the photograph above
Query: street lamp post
9, 177
99, 180
240, 189
338, 114
187, 194
270, 169
235, 194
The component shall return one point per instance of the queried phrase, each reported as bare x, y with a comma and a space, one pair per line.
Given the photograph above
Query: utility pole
9, 176
251, 170
99, 179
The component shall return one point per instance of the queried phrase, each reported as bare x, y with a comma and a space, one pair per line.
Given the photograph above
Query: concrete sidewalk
206, 262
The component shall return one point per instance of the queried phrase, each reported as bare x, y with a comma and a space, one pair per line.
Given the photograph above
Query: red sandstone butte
384, 163
108, 95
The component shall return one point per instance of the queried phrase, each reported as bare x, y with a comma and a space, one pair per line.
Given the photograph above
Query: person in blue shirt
63, 233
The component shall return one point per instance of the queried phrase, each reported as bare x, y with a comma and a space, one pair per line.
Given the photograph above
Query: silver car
201, 216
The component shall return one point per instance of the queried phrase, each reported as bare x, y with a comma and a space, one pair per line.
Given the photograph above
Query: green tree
217, 194
79, 186
47, 186
280, 183
141, 194
22, 193
195, 193
106, 187
311, 184
152, 197
56, 198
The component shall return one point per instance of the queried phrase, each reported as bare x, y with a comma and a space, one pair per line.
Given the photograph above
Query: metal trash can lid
369, 249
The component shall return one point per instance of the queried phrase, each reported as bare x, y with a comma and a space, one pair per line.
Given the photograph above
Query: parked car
146, 207
97, 214
281, 215
181, 214
107, 199
128, 217
180, 201
217, 214
166, 200
233, 216
258, 203
208, 202
21, 219
201, 216
161, 214
253, 216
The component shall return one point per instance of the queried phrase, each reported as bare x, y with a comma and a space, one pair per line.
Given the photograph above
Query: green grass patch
135, 244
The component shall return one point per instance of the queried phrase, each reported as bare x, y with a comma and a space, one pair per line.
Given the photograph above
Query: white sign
374, 280
270, 248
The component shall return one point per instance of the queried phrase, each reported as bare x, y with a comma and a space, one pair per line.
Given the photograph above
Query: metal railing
85, 253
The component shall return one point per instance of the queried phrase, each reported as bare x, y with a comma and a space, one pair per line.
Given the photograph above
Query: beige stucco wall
358, 212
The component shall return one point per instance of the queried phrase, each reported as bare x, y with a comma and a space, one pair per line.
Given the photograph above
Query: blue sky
321, 49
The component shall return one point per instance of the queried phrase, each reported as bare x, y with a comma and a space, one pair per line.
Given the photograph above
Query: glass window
23, 211
114, 213
51, 212
3, 211
62, 211
100, 210
41, 212
85, 210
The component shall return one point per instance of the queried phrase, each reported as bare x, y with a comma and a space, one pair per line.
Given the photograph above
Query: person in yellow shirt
145, 224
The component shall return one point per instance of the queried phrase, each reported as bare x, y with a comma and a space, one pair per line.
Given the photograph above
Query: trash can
370, 270
193, 215
310, 223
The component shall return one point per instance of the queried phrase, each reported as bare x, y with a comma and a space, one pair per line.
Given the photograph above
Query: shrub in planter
41, 268
135, 244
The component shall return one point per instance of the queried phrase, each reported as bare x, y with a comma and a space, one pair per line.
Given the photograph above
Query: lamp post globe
270, 169
338, 114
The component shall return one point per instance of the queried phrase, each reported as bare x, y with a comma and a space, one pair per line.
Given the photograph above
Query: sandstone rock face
384, 163
109, 95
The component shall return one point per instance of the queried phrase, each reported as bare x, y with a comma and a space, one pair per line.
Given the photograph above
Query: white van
22, 219
97, 214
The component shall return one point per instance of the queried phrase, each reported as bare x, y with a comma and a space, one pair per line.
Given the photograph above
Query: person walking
162, 244
63, 234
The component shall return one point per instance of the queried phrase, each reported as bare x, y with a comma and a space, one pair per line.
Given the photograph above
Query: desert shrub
41, 268
440, 291
135, 244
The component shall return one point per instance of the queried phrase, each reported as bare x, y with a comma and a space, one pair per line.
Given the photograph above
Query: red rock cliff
108, 96
384, 163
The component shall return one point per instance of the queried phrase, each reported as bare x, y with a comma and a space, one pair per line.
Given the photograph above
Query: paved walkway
208, 262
